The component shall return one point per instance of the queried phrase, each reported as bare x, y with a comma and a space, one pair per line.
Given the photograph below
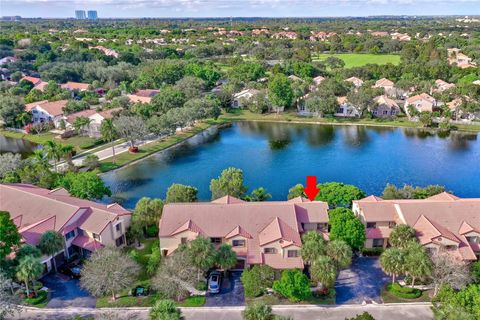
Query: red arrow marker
311, 189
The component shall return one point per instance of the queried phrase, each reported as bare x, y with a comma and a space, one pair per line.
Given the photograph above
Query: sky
237, 8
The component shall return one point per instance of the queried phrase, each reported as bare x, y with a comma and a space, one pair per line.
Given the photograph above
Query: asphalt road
379, 312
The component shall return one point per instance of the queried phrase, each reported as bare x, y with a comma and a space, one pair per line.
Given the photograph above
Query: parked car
72, 270
214, 282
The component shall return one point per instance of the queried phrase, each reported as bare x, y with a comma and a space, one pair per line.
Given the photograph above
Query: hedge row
403, 292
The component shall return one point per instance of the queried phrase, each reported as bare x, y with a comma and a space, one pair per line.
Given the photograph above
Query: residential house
400, 36
356, 81
455, 57
85, 225
384, 107
321, 35
345, 109
143, 95
262, 31
75, 86
260, 232
442, 222
379, 34
7, 60
45, 111
96, 118
387, 85
293, 77
441, 85
38, 84
422, 103
240, 98
285, 35
106, 51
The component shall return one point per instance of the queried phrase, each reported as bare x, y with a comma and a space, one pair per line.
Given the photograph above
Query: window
371, 224
451, 247
216, 240
120, 241
96, 236
118, 227
70, 235
472, 239
183, 240
392, 224
340, 110
269, 250
238, 243
292, 253
322, 226
377, 243
385, 112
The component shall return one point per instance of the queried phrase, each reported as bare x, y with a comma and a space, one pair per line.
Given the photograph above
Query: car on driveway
214, 282
72, 270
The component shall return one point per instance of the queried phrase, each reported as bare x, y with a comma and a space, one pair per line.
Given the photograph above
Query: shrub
371, 252
257, 280
258, 311
41, 297
403, 292
294, 285
91, 161
201, 286
152, 231
363, 316
154, 260
165, 310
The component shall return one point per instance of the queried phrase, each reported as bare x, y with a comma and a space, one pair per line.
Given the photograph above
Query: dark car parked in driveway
72, 270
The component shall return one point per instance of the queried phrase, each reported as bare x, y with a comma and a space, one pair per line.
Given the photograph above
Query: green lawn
389, 297
360, 59
141, 257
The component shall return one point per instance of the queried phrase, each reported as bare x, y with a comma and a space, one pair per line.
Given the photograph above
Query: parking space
363, 281
66, 292
231, 293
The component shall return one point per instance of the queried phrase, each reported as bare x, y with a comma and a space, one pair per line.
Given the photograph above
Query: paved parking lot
363, 281
230, 295
66, 292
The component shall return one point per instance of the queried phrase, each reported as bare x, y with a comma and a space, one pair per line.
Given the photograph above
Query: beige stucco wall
172, 243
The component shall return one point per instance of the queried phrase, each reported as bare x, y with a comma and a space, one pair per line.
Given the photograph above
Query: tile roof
54, 108
31, 79
384, 100
384, 82
138, 99
75, 85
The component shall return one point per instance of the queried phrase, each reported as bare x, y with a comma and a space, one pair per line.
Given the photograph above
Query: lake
279, 155
24, 147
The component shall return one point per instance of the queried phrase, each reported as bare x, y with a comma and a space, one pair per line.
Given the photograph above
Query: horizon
202, 9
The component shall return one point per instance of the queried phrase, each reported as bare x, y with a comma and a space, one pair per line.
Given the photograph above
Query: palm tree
39, 157
417, 262
28, 270
401, 236
81, 122
392, 262
53, 152
340, 252
226, 257
50, 243
323, 271
23, 118
109, 133
313, 246
67, 153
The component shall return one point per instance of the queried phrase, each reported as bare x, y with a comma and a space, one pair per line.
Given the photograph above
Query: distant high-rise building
80, 14
92, 14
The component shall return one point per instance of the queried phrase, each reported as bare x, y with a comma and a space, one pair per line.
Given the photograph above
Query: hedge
403, 292
41, 297
372, 251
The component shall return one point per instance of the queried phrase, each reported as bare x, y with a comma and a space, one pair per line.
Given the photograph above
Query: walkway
361, 282
297, 312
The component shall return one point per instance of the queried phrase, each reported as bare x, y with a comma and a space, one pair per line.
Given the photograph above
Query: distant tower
92, 14
80, 14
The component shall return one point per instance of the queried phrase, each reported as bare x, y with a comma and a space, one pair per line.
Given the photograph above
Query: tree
109, 134
426, 118
313, 246
417, 261
258, 311
392, 262
181, 193
202, 254
67, 152
257, 279
81, 122
323, 271
177, 276
340, 253
226, 257
476, 272
85, 185
192, 87
401, 236
147, 212
27, 250
296, 191
132, 128
168, 98
345, 226
259, 194
135, 233
363, 316
448, 271
450, 304
9, 162
10, 108
294, 285
322, 104
339, 194
29, 269
9, 303
53, 151
259, 102
230, 182
9, 236
362, 98
91, 162
409, 192
108, 270
280, 92
51, 242
165, 310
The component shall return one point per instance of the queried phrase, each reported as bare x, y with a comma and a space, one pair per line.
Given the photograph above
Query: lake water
24, 147
279, 155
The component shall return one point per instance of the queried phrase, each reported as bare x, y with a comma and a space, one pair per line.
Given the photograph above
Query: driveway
231, 293
363, 281
66, 292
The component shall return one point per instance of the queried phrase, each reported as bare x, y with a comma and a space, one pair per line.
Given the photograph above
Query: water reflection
355, 136
24, 147
320, 135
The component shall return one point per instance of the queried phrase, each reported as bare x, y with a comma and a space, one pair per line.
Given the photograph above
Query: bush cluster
403, 292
